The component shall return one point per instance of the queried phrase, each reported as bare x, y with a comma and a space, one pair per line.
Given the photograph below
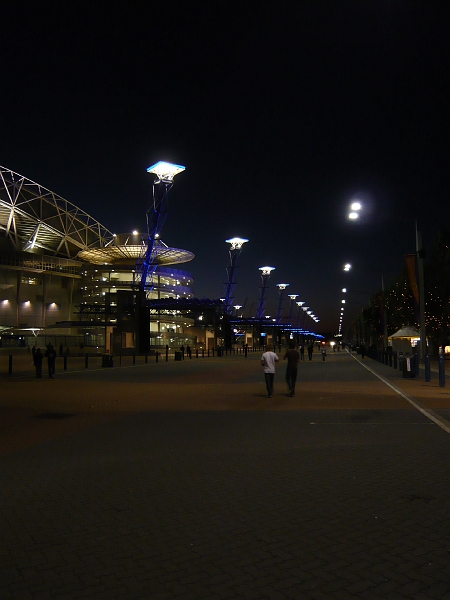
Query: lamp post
281, 287
265, 275
291, 308
235, 249
156, 215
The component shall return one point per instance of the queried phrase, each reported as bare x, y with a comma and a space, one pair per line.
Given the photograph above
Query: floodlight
165, 171
266, 270
299, 303
292, 296
347, 267
353, 216
282, 286
355, 206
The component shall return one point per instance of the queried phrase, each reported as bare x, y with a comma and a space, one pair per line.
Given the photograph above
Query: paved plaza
184, 480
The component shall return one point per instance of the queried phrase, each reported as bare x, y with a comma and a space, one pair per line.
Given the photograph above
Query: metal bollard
86, 360
441, 364
65, 363
395, 360
167, 355
427, 368
203, 353
10, 365
156, 356
196, 353
146, 359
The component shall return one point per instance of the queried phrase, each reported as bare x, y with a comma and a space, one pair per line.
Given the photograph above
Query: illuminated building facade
66, 278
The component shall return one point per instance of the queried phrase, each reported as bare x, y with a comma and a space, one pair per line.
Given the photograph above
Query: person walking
268, 360
324, 353
310, 351
51, 360
293, 357
302, 352
37, 359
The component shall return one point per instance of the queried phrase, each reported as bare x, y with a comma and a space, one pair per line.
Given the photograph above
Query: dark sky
281, 112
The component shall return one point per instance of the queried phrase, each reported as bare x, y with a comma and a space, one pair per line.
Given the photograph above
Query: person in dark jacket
51, 360
293, 357
37, 359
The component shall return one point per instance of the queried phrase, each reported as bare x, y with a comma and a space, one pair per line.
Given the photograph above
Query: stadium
66, 279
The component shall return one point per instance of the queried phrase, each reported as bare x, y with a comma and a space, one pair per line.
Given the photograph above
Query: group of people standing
293, 357
38, 358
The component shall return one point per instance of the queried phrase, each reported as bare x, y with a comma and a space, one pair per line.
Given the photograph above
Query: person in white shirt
268, 360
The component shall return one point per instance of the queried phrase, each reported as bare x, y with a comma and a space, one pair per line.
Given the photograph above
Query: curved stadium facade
66, 278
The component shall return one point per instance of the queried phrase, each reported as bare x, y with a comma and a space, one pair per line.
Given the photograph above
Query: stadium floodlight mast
265, 275
156, 215
235, 249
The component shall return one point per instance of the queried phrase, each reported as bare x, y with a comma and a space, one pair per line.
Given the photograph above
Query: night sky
281, 112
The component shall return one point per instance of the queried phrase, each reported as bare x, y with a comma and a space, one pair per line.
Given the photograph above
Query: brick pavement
186, 481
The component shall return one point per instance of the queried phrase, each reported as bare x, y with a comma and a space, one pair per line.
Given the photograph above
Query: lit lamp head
236, 243
347, 267
292, 296
299, 304
282, 286
237, 306
266, 270
355, 207
165, 171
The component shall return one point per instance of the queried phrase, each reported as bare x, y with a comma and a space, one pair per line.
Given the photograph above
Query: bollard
156, 355
245, 351
395, 360
10, 365
390, 359
427, 368
441, 364
146, 358
196, 353
65, 363
203, 353
134, 358
86, 360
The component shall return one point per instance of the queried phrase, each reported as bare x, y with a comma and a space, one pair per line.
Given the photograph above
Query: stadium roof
34, 219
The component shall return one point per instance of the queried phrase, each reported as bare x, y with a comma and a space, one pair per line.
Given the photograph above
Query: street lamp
236, 244
291, 308
156, 215
281, 287
265, 275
